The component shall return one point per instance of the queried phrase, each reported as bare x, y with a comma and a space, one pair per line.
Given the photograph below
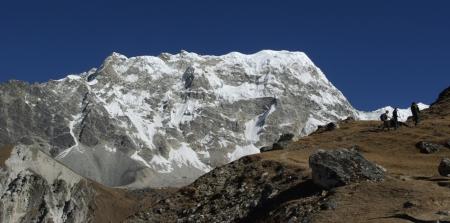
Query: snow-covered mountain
403, 113
165, 120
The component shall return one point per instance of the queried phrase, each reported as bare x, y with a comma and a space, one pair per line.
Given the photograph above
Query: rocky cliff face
35, 188
164, 121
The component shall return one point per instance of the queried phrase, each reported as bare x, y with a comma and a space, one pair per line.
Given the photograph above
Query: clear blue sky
378, 53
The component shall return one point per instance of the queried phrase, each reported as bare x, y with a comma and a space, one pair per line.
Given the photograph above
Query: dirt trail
412, 176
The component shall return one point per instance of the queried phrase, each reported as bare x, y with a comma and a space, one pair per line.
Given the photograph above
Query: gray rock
341, 167
265, 149
444, 167
428, 147
349, 119
37, 187
329, 205
242, 191
280, 145
328, 127
286, 137
188, 77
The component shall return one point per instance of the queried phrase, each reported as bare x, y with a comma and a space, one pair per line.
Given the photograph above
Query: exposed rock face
428, 147
441, 106
341, 167
164, 121
444, 167
443, 98
35, 188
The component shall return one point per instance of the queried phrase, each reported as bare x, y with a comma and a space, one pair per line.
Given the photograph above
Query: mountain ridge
156, 116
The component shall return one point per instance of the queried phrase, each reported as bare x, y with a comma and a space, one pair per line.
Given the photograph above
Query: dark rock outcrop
341, 167
348, 119
444, 96
428, 147
188, 77
265, 149
444, 167
282, 143
286, 137
441, 106
326, 128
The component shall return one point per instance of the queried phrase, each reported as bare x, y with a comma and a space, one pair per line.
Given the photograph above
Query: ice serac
164, 121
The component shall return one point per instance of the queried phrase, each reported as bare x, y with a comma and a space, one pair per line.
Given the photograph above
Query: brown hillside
413, 191
412, 176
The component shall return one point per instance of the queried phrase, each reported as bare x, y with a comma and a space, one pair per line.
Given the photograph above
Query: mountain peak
170, 118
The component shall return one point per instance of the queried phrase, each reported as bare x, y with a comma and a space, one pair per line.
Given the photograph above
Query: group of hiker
394, 123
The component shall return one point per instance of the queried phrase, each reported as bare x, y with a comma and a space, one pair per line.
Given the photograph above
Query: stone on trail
341, 167
428, 147
444, 167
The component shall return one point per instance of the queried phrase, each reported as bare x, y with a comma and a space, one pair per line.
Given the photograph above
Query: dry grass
412, 176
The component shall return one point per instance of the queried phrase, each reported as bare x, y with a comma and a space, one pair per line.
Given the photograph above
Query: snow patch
138, 158
185, 155
132, 78
242, 151
311, 125
93, 82
161, 164
72, 123
110, 149
403, 114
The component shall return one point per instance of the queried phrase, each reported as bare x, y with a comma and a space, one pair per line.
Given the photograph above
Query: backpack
383, 117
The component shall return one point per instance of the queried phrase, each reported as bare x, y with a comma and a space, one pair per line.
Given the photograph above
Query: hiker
415, 112
395, 118
385, 119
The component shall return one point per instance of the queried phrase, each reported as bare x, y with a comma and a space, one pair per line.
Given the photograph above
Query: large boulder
444, 167
265, 149
286, 137
428, 147
282, 143
341, 167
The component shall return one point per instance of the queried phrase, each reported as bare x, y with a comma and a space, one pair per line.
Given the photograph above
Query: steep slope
277, 187
164, 121
36, 188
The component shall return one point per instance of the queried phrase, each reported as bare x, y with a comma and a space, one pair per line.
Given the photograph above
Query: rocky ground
277, 186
